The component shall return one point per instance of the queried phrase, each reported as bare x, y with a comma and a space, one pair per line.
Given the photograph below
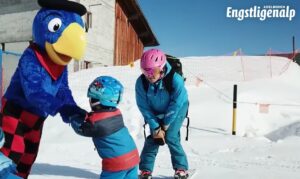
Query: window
88, 21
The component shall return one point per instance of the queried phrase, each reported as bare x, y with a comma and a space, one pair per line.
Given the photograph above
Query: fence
222, 72
241, 67
8, 64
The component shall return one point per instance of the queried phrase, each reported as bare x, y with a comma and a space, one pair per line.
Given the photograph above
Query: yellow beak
71, 44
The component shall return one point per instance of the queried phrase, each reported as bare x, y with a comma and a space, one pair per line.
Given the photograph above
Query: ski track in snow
213, 161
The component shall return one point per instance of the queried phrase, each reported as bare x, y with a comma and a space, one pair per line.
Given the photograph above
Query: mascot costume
39, 86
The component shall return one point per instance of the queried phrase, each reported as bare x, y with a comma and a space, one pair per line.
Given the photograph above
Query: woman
164, 111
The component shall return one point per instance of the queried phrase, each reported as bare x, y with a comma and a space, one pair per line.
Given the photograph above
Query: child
105, 125
7, 167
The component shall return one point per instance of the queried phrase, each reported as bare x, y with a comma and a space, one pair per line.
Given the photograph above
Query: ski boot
181, 174
145, 175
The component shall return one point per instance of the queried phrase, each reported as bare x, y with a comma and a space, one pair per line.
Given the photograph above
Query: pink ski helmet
151, 60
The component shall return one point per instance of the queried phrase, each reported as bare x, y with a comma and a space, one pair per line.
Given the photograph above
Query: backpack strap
168, 81
144, 126
146, 87
188, 123
145, 82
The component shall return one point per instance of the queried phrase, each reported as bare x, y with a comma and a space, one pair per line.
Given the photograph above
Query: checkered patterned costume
34, 93
23, 131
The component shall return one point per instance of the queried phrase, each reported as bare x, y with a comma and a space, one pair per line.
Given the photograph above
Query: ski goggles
152, 72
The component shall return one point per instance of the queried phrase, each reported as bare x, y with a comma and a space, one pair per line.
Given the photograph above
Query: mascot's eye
54, 25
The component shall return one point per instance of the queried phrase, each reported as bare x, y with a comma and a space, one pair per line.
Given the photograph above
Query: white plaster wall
10, 62
16, 27
101, 36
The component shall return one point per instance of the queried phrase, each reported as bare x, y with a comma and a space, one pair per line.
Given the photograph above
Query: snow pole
234, 109
294, 49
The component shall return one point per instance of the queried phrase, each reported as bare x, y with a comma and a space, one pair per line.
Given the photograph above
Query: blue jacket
111, 138
7, 168
158, 102
33, 88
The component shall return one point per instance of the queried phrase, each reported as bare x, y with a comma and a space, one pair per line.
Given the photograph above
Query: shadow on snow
59, 170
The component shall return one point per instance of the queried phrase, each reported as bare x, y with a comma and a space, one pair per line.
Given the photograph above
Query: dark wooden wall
128, 46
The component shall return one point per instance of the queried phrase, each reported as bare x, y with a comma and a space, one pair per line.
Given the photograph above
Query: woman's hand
159, 136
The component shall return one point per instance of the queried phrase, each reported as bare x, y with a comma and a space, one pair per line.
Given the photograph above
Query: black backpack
168, 83
175, 63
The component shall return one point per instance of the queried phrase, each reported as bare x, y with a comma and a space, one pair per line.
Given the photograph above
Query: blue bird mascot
39, 86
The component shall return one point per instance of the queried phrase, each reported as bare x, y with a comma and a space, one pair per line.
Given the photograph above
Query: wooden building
117, 30
132, 32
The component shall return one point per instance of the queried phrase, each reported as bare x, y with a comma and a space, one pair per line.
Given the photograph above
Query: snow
267, 144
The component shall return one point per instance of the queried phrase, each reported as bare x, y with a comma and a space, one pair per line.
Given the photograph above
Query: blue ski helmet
2, 138
107, 90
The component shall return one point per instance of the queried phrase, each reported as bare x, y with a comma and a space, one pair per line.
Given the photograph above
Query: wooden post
234, 109
294, 49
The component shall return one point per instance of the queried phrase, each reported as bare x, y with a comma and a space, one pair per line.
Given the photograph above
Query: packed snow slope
267, 144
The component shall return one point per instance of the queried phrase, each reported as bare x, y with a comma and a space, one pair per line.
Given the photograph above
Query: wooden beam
143, 34
133, 17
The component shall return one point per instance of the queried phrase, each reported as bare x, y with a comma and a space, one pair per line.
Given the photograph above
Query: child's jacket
7, 168
112, 139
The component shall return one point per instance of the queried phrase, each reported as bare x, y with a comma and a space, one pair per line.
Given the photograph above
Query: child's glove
159, 136
66, 111
76, 123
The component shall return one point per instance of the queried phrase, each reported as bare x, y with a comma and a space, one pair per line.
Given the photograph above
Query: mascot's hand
66, 111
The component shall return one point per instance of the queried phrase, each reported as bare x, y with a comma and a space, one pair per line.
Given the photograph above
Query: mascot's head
59, 30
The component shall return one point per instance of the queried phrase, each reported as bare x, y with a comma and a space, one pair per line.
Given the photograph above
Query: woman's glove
159, 136
165, 127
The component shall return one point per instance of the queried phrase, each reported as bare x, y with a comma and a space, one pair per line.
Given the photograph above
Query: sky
201, 28
266, 145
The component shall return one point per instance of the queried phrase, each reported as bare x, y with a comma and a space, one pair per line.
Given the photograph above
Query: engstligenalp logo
262, 12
